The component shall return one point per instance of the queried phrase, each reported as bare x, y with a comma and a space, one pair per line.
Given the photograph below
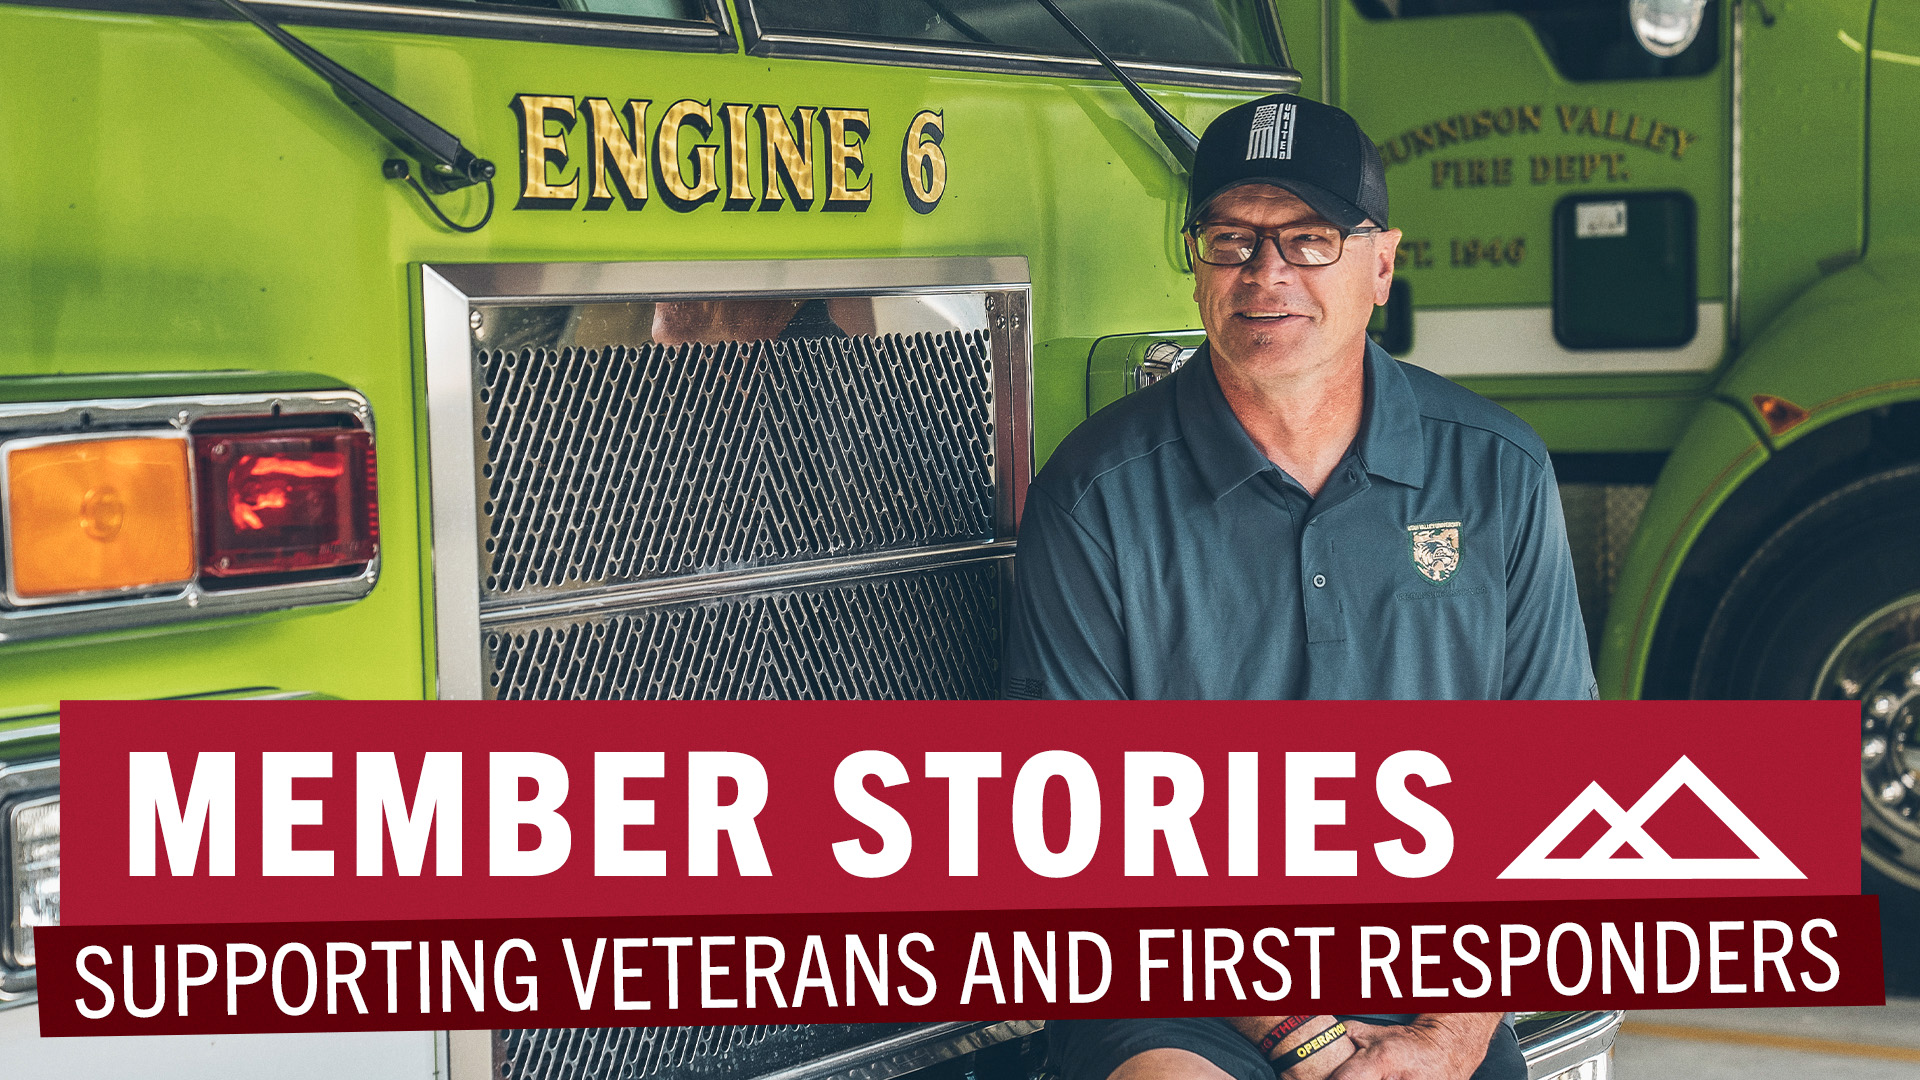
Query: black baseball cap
1315, 151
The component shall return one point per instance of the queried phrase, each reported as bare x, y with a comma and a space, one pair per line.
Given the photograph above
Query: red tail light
276, 502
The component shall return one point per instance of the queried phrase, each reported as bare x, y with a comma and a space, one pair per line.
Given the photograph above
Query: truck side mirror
1665, 27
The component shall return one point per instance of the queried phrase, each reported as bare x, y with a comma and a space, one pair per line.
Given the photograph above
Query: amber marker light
1780, 414
90, 515
285, 502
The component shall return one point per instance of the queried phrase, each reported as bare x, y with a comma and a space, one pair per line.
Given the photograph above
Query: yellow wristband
1313, 1046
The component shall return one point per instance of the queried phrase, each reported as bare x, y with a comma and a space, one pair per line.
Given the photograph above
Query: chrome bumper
1568, 1046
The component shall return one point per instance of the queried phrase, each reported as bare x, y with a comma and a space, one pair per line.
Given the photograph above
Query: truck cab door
1564, 192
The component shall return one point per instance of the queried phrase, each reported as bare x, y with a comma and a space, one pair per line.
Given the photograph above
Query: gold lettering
667, 162
733, 122
1479, 172
1589, 123
923, 165
847, 130
1567, 115
1502, 171
619, 162
789, 165
1617, 166
1681, 140
1566, 168
1542, 169
1658, 134
1465, 127
1633, 126
1442, 170
1612, 118
540, 152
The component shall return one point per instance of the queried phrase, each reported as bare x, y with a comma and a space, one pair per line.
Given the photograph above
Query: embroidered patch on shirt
1436, 549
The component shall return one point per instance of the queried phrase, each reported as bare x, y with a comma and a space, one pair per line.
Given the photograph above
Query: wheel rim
1877, 663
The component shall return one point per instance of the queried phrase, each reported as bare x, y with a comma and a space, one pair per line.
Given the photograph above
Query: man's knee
1168, 1064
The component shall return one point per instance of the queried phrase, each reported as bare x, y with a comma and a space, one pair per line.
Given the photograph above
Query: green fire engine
669, 348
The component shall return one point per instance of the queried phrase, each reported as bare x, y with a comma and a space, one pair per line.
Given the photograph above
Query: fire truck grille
929, 633
672, 1053
603, 466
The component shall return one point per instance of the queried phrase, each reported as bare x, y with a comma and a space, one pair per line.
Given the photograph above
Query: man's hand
1436, 1046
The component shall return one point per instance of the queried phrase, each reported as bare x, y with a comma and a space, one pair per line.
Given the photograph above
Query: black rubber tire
1829, 567
1834, 564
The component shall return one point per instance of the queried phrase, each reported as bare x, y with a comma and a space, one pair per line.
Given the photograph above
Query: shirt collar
1391, 444
1220, 447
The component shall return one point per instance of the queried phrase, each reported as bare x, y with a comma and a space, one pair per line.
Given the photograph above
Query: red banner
932, 966
206, 812
547, 864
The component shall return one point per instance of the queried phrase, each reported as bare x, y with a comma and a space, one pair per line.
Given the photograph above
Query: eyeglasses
1228, 244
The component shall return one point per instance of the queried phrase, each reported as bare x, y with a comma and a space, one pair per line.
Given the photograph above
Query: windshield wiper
1182, 142
444, 164
952, 18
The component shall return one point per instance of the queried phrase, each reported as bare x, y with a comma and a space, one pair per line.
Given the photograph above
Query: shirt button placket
1324, 622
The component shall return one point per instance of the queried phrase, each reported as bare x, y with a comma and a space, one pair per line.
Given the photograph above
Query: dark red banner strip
930, 966
307, 809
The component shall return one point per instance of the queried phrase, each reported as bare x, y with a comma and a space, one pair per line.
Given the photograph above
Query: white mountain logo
1627, 828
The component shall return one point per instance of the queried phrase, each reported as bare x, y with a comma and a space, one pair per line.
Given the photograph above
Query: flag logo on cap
1272, 133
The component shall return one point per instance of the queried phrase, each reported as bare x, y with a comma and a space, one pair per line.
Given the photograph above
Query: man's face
1269, 319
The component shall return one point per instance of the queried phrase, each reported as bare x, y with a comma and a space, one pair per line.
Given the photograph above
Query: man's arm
1065, 638
1300, 1047
1546, 640
1435, 1046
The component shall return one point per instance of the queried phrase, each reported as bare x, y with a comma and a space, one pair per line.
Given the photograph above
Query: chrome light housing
30, 872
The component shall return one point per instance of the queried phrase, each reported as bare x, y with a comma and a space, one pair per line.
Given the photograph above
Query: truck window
674, 10
1588, 40
1202, 34
688, 25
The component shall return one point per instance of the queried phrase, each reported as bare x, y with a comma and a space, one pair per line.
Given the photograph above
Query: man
1295, 514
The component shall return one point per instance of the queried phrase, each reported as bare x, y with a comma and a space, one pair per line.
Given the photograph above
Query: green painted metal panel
1718, 451
1603, 425
1894, 189
183, 197
1804, 103
1846, 345
1511, 137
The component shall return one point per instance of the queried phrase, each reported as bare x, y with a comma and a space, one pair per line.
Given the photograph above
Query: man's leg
1504, 1059
1168, 1064
1196, 1048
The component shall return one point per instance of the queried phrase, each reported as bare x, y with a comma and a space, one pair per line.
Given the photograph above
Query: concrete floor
1858, 1043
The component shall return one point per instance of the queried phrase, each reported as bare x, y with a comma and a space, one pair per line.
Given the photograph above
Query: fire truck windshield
1203, 33
672, 10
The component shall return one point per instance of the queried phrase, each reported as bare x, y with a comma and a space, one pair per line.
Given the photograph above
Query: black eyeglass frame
1262, 235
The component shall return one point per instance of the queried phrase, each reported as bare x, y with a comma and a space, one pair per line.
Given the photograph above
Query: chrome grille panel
664, 1053
617, 464
721, 480
928, 633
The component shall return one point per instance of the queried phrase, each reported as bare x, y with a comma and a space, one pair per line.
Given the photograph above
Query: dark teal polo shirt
1162, 555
